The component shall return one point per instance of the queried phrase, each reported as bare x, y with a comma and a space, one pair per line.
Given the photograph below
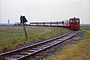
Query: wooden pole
25, 31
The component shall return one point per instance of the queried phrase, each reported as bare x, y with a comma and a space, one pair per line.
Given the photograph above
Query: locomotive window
77, 20
74, 20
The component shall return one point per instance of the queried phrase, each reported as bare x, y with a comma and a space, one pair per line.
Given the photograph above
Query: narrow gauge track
25, 52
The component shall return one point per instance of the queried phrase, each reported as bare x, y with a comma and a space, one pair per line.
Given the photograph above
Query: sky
44, 10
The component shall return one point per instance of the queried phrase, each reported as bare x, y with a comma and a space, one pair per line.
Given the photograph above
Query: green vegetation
78, 51
13, 36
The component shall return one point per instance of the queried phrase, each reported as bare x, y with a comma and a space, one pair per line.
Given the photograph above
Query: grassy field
78, 51
13, 36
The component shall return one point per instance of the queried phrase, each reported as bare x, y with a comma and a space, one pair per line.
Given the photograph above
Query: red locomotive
72, 23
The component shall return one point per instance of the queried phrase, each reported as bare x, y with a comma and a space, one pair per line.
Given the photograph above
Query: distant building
8, 21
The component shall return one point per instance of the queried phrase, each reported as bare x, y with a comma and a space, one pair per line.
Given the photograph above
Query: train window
70, 20
62, 22
77, 20
67, 22
74, 20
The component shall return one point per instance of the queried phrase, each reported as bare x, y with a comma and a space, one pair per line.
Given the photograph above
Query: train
72, 23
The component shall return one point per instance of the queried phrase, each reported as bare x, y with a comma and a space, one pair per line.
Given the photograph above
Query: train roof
74, 18
33, 22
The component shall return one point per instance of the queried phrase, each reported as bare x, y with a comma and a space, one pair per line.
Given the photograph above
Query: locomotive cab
74, 23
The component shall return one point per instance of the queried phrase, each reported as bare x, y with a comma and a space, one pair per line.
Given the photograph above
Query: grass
13, 36
78, 51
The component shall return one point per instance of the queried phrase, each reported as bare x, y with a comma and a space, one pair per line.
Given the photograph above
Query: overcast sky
44, 10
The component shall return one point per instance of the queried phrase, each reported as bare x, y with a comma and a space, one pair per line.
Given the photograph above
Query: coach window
70, 20
67, 22
64, 22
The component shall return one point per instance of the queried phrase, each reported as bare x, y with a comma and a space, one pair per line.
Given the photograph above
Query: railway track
25, 52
